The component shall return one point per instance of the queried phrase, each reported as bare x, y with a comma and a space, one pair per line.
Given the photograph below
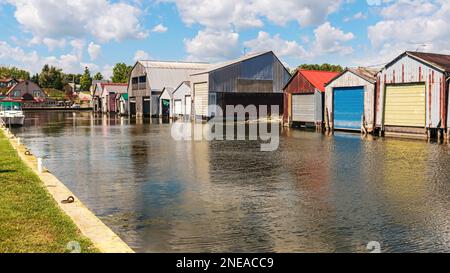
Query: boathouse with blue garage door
350, 100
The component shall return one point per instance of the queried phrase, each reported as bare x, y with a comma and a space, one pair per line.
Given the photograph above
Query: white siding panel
201, 99
303, 108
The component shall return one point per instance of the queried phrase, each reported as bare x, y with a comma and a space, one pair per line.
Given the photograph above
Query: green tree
322, 67
51, 77
121, 73
14, 72
98, 76
35, 78
86, 80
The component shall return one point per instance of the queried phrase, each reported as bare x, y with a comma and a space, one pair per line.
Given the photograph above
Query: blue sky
100, 33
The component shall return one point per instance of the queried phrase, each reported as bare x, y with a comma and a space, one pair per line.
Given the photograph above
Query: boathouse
149, 78
182, 100
350, 100
412, 97
255, 79
304, 95
108, 95
27, 92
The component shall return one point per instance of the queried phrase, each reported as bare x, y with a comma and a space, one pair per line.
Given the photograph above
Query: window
142, 79
16, 94
36, 93
134, 83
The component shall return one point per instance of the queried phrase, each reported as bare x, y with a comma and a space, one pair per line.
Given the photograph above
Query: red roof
318, 78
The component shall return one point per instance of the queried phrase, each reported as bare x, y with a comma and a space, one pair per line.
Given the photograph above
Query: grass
30, 219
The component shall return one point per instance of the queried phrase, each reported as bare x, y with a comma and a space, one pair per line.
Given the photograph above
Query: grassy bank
30, 220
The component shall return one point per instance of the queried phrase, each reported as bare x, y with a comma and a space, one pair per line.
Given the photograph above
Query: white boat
11, 113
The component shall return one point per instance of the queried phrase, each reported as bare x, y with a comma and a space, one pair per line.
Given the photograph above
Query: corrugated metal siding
405, 105
349, 79
303, 108
348, 107
408, 70
201, 99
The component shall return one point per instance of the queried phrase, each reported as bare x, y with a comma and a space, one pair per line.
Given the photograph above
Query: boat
11, 113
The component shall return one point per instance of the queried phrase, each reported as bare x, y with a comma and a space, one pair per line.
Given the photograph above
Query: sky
73, 34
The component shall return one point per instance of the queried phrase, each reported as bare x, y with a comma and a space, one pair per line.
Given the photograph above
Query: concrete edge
103, 238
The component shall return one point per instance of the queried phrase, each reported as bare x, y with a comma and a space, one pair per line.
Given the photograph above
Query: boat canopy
10, 105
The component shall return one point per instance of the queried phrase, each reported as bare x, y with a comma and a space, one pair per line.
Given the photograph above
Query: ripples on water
316, 193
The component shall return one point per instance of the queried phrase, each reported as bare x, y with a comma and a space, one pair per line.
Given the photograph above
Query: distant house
84, 98
96, 91
304, 97
255, 79
148, 80
27, 91
109, 92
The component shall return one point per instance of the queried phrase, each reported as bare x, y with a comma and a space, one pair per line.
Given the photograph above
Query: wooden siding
349, 79
26, 87
408, 70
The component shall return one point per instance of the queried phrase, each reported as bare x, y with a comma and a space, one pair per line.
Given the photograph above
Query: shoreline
101, 236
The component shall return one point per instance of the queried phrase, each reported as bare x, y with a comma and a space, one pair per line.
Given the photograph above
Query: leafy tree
322, 67
51, 77
14, 72
35, 78
121, 73
98, 76
86, 80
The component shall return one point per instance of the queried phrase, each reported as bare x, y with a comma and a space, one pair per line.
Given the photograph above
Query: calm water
316, 193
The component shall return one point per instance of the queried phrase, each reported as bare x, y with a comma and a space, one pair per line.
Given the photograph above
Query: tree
35, 78
322, 67
14, 72
121, 73
98, 76
71, 78
86, 80
51, 77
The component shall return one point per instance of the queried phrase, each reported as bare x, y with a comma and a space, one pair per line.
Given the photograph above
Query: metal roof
366, 73
235, 61
315, 77
163, 74
438, 61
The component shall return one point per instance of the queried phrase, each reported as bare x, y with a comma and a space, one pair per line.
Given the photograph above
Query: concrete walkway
103, 238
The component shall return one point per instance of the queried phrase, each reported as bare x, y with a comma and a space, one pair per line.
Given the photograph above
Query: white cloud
329, 39
107, 71
141, 55
60, 19
212, 46
53, 44
94, 51
418, 24
160, 28
283, 48
218, 14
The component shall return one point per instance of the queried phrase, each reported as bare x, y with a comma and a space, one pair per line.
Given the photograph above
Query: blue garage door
348, 108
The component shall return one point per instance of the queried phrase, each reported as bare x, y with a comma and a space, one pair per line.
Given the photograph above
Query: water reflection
315, 193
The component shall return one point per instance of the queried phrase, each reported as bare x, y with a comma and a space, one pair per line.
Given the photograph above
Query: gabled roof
114, 87
317, 78
168, 90
235, 61
187, 83
438, 61
169, 74
366, 73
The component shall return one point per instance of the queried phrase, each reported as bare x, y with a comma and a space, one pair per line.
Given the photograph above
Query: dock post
18, 141
39, 165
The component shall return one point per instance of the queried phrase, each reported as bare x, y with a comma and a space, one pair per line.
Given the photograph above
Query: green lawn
30, 220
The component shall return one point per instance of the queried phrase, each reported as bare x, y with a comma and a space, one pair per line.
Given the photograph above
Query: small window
142, 79
134, 80
37, 94
16, 94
